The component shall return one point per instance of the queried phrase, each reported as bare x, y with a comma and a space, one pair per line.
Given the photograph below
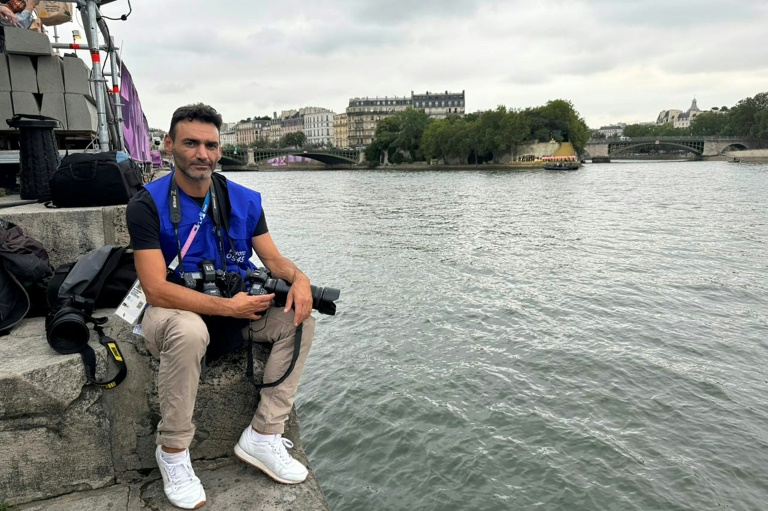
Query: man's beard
194, 177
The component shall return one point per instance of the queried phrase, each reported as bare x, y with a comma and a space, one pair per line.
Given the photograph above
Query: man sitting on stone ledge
176, 223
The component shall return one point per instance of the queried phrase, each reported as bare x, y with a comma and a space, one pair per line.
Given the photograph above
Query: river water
590, 340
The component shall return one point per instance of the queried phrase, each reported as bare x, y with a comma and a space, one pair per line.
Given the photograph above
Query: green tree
447, 138
401, 132
261, 142
562, 116
294, 139
516, 129
745, 116
411, 124
557, 120
760, 128
655, 130
433, 141
383, 140
489, 133
709, 124
637, 130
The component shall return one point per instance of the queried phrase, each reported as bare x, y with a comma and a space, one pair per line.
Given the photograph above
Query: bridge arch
696, 148
255, 156
734, 147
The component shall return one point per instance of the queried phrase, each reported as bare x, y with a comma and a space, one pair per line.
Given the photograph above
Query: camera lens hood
67, 331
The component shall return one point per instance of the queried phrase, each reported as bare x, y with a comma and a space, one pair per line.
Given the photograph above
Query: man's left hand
300, 298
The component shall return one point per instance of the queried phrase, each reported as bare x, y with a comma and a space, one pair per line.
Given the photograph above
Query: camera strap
89, 357
249, 366
217, 221
175, 212
211, 198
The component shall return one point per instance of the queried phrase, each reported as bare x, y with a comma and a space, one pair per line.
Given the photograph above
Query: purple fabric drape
135, 125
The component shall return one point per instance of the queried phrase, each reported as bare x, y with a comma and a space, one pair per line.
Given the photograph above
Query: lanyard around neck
175, 212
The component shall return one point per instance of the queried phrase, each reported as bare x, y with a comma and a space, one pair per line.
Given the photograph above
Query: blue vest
243, 218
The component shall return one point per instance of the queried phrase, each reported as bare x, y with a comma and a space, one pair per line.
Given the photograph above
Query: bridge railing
613, 140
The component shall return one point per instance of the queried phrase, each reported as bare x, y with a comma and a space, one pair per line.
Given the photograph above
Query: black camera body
262, 283
213, 282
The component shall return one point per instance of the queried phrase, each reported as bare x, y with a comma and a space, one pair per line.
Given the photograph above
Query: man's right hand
246, 306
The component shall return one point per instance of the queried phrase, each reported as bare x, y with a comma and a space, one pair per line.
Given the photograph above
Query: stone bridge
252, 157
606, 148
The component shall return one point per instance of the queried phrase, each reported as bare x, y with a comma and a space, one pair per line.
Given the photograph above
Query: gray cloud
616, 61
409, 11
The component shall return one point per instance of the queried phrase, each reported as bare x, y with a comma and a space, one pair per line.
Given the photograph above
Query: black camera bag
93, 179
100, 278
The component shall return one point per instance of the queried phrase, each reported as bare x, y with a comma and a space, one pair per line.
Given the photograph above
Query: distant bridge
698, 146
253, 156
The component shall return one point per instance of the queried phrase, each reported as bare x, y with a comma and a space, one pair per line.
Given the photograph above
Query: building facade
248, 131
364, 114
293, 123
668, 116
318, 127
438, 105
613, 130
684, 119
340, 130
275, 129
228, 137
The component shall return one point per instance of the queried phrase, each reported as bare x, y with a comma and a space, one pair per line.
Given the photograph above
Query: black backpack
23, 269
93, 179
100, 278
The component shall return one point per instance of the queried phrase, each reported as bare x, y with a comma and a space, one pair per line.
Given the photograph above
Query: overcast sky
615, 60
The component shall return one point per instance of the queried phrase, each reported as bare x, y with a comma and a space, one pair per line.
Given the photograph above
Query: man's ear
168, 143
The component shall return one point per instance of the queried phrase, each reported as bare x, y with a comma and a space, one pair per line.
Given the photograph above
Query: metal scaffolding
110, 122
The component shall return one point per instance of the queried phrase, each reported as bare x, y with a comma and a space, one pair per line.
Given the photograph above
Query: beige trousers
179, 339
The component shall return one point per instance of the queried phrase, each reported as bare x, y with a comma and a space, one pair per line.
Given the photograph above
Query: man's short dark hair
197, 112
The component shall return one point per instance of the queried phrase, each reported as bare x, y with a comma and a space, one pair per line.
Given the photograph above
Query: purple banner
135, 125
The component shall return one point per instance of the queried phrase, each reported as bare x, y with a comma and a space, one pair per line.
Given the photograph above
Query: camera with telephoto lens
66, 329
262, 283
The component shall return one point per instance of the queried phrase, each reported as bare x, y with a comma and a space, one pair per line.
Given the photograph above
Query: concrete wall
68, 232
538, 149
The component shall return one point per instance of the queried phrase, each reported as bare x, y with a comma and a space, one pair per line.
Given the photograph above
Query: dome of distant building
684, 120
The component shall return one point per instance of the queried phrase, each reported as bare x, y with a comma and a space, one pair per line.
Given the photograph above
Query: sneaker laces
279, 448
181, 474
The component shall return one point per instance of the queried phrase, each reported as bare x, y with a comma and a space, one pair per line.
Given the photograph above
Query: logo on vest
237, 256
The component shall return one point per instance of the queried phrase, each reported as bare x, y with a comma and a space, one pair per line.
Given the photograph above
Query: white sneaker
181, 485
272, 458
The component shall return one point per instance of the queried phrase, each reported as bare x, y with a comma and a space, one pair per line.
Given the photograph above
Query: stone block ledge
66, 445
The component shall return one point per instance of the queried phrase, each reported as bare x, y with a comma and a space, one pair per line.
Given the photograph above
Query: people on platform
17, 14
175, 224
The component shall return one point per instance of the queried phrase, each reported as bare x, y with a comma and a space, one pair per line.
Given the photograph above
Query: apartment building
364, 114
318, 127
438, 105
340, 130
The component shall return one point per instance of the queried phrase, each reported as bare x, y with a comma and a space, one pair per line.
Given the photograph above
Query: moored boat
560, 163
561, 166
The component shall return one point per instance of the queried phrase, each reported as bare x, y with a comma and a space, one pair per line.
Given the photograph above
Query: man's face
195, 149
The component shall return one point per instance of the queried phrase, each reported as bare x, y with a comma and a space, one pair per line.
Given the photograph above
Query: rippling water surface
590, 340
